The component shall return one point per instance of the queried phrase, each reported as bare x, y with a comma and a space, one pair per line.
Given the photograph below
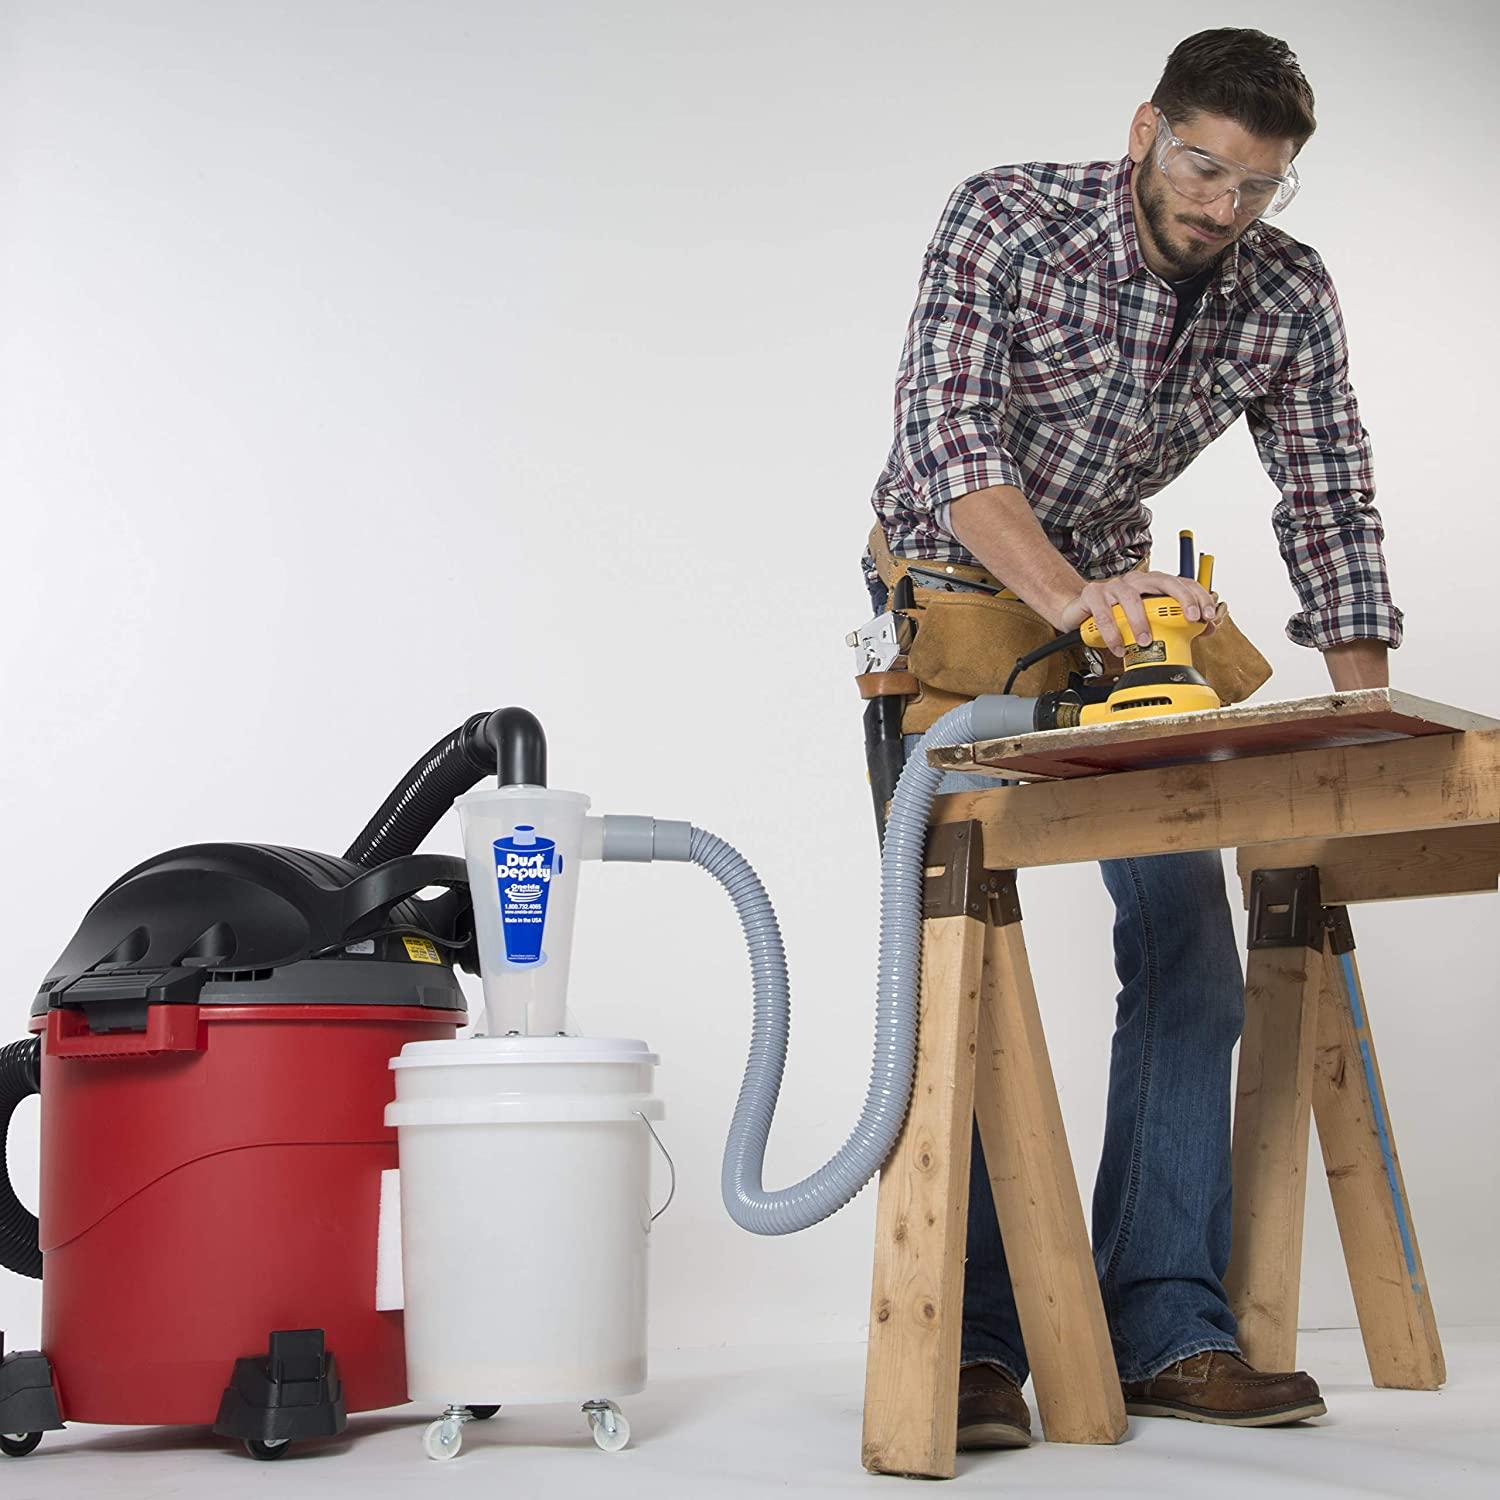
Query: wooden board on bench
1353, 718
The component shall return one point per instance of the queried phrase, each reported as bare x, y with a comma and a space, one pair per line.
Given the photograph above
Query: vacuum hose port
518, 747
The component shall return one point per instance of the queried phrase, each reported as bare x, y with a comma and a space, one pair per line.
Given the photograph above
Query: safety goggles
1205, 178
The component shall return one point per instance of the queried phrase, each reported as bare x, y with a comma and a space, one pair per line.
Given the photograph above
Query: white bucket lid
486, 1051
538, 1109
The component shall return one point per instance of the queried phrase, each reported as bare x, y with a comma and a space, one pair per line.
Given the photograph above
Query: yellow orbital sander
1155, 679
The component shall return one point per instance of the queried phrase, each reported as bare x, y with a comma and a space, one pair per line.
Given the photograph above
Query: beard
1184, 256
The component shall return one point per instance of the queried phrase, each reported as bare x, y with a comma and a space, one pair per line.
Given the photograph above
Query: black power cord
404, 929
1049, 648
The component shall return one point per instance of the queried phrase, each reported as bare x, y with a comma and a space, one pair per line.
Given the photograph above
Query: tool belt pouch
966, 645
1230, 662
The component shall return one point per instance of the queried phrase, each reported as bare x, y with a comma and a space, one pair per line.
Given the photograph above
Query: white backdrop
367, 363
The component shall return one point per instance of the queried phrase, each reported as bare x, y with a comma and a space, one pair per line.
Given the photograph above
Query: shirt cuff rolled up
1344, 621
963, 475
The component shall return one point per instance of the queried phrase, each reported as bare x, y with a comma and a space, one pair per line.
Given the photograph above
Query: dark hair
1245, 75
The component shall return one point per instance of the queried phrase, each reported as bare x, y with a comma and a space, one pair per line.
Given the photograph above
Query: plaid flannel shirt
1038, 356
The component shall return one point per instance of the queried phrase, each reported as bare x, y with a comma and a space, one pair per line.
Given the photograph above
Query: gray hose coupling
641, 840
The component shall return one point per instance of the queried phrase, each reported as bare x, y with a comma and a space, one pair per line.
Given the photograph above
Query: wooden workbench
1330, 800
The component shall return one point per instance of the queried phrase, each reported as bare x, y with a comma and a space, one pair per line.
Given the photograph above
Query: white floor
787, 1421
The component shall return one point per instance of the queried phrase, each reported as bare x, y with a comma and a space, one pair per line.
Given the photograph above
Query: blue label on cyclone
525, 865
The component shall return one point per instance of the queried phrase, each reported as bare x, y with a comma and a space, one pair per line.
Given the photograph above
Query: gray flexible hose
827, 1190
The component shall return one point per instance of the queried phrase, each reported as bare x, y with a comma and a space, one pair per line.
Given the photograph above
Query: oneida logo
516, 865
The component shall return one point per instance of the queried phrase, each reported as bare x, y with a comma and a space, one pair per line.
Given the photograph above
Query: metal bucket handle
671, 1167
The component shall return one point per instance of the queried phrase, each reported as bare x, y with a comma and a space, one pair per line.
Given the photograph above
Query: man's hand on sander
1100, 597
1002, 531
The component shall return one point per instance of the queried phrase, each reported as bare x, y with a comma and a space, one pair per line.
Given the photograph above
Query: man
1081, 333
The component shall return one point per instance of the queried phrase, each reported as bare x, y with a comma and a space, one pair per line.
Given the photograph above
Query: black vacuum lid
256, 923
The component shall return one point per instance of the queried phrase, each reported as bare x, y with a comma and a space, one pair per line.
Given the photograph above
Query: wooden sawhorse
1307, 1050
1317, 827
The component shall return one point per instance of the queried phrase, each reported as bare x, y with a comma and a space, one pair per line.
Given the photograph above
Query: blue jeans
1161, 1199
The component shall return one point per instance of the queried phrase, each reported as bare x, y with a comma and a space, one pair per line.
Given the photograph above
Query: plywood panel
1246, 729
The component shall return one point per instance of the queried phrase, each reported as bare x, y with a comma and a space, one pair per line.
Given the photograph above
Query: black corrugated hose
508, 743
20, 1077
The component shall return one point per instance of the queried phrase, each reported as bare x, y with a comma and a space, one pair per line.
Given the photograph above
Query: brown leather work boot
1218, 1386
992, 1412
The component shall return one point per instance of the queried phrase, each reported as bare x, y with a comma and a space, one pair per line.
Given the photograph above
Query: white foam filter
390, 1294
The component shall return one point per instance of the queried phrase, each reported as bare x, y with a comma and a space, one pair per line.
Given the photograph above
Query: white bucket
525, 1211
523, 846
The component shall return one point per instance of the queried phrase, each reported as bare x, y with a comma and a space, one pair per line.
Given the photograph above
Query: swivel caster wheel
443, 1438
607, 1423
18, 1444
483, 1413
268, 1450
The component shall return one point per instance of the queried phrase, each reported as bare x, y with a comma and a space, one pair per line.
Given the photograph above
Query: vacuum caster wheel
18, 1444
483, 1413
266, 1451
443, 1438
607, 1422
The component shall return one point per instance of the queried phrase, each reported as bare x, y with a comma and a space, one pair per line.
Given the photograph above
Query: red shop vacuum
211, 1052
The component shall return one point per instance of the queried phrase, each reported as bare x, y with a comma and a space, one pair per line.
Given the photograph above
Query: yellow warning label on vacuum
420, 951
